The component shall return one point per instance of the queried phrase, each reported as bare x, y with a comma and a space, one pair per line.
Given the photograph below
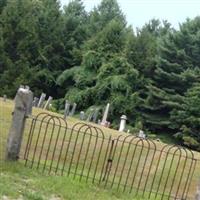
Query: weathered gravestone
48, 102
4, 98
73, 109
82, 115
41, 101
141, 134
35, 102
90, 115
95, 115
23, 108
67, 108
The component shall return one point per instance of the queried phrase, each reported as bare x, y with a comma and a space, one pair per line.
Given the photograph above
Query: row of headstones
39, 102
91, 117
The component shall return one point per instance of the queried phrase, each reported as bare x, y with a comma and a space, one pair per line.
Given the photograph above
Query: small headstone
82, 115
35, 102
73, 110
67, 108
48, 102
122, 123
41, 101
128, 131
107, 124
4, 98
95, 115
91, 113
99, 121
141, 134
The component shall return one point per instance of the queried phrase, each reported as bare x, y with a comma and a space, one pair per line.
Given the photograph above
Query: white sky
138, 12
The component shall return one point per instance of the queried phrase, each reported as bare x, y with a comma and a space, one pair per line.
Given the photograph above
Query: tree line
151, 74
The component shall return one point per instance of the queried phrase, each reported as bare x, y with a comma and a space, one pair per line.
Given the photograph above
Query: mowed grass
120, 173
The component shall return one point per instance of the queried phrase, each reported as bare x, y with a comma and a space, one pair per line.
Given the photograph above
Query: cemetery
94, 106
90, 151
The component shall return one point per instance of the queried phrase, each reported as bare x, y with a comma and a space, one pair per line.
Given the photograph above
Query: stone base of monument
105, 124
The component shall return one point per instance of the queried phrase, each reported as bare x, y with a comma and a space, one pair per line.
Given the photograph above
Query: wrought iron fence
131, 164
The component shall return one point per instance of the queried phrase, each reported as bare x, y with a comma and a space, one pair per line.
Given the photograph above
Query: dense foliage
92, 58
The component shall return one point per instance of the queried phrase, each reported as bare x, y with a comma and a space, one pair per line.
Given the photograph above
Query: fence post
23, 108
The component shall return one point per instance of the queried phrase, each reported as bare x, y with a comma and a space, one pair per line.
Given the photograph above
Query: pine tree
187, 119
175, 73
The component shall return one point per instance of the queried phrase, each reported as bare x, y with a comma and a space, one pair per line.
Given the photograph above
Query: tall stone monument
105, 115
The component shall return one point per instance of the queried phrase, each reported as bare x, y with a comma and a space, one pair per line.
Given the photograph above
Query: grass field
40, 186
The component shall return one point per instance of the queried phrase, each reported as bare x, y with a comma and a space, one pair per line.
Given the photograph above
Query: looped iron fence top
125, 162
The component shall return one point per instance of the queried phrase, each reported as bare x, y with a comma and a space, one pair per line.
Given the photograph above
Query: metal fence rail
124, 162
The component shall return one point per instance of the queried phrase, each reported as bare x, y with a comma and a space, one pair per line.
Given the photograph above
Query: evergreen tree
176, 71
18, 38
187, 119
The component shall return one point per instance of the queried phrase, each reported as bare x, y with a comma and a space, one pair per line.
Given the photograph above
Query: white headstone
82, 115
105, 115
41, 101
48, 102
95, 115
91, 113
122, 123
4, 98
35, 101
141, 134
67, 108
73, 110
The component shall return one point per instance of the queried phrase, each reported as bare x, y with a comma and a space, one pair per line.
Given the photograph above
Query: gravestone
41, 101
82, 115
48, 102
141, 134
122, 123
67, 108
90, 115
73, 109
95, 115
23, 108
105, 115
4, 97
35, 102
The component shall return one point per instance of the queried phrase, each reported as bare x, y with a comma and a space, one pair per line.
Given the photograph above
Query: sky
139, 12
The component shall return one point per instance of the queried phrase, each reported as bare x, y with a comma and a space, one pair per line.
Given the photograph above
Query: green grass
18, 180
